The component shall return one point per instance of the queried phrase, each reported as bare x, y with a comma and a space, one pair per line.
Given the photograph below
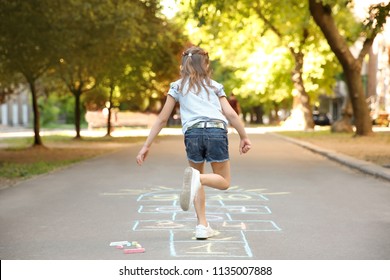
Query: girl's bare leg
220, 179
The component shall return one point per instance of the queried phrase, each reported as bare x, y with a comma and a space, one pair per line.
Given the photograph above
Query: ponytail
195, 70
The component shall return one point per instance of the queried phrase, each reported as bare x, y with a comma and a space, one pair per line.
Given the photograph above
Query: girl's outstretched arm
160, 122
234, 120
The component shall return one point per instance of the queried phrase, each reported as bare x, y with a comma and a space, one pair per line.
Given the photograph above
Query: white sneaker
202, 232
191, 184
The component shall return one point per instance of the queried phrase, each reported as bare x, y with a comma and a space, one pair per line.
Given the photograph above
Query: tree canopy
117, 43
274, 47
268, 42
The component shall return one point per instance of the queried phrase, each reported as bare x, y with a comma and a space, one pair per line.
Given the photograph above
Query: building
15, 111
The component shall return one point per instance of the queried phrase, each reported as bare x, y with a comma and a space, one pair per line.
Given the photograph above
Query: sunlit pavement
19, 132
10, 132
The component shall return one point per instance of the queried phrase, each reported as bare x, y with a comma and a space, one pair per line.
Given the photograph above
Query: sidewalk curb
360, 165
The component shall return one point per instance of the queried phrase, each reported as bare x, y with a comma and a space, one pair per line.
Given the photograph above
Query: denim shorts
207, 144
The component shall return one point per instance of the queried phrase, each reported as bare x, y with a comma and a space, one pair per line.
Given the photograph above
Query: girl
205, 113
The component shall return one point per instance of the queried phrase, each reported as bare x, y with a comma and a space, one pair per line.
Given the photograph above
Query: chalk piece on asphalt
120, 243
134, 251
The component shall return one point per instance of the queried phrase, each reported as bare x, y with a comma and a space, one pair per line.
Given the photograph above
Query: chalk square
159, 225
231, 245
209, 249
246, 209
250, 225
236, 196
191, 216
221, 236
159, 209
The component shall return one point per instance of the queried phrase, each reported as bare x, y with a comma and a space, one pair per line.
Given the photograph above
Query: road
285, 203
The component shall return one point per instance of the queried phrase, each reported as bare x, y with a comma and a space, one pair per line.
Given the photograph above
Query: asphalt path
285, 203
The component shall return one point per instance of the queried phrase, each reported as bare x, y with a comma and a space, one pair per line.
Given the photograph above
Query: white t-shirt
198, 107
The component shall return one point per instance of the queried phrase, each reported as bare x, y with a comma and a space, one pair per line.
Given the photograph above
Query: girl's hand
245, 145
143, 153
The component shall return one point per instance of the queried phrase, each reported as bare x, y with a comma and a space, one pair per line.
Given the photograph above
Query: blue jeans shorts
207, 144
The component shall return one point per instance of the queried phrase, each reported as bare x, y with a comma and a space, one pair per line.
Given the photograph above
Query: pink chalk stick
134, 251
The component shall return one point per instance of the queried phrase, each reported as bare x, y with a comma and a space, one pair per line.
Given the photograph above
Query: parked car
320, 118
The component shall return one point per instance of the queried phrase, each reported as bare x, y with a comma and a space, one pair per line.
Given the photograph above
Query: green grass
19, 160
25, 142
26, 170
17, 142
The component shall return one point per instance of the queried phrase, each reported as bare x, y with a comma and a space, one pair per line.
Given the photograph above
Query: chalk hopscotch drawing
233, 213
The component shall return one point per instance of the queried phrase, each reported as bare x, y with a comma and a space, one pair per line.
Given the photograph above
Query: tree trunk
362, 117
351, 66
258, 111
303, 99
301, 113
109, 111
77, 113
344, 123
37, 136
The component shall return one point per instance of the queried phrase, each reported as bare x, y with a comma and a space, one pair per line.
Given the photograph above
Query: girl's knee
226, 185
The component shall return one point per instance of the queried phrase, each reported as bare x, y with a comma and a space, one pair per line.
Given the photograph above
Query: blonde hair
195, 69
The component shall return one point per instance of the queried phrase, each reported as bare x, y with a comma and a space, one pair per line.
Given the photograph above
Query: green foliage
95, 99
49, 110
67, 109
256, 39
56, 108
25, 41
226, 75
127, 45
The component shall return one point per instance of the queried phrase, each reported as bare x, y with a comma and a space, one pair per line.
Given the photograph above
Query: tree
122, 45
295, 38
286, 23
323, 14
88, 41
25, 46
143, 60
